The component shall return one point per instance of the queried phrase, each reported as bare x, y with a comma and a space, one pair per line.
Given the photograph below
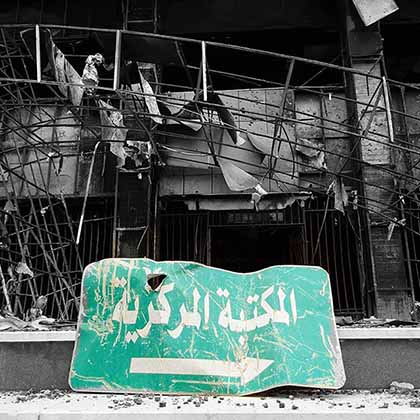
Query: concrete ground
59, 405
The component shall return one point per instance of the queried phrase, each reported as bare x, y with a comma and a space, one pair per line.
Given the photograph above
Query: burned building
238, 135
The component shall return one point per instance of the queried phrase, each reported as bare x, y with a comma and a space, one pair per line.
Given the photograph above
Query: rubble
403, 387
373, 322
304, 401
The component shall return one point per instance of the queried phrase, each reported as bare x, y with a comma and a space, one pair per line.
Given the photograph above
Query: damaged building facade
238, 136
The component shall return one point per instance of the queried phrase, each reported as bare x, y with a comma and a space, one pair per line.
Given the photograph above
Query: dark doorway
251, 248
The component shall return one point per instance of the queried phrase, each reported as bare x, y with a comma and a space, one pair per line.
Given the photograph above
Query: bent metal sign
204, 330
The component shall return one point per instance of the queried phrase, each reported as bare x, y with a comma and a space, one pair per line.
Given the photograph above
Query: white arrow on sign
247, 369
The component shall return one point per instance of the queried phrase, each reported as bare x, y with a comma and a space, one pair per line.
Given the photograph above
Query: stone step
373, 358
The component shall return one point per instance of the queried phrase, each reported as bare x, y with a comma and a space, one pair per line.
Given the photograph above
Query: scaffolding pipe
82, 215
204, 72
5, 293
388, 109
38, 53
117, 60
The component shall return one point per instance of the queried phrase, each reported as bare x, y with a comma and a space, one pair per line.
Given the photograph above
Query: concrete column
363, 49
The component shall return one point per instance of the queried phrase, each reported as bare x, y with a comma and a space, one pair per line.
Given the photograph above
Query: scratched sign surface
204, 330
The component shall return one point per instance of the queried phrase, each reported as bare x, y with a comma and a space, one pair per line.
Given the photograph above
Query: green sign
182, 327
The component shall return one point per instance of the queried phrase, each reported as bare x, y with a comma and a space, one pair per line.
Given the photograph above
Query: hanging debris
372, 11
69, 81
113, 131
312, 153
341, 197
90, 76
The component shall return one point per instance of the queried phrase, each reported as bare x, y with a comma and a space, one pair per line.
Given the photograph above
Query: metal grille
412, 244
55, 261
332, 243
184, 237
329, 240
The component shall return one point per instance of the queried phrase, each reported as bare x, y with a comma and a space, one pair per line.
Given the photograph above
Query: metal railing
27, 82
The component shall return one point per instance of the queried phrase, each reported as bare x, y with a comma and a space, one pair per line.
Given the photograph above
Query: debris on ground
403, 387
10, 322
343, 321
315, 400
30, 395
415, 313
374, 322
